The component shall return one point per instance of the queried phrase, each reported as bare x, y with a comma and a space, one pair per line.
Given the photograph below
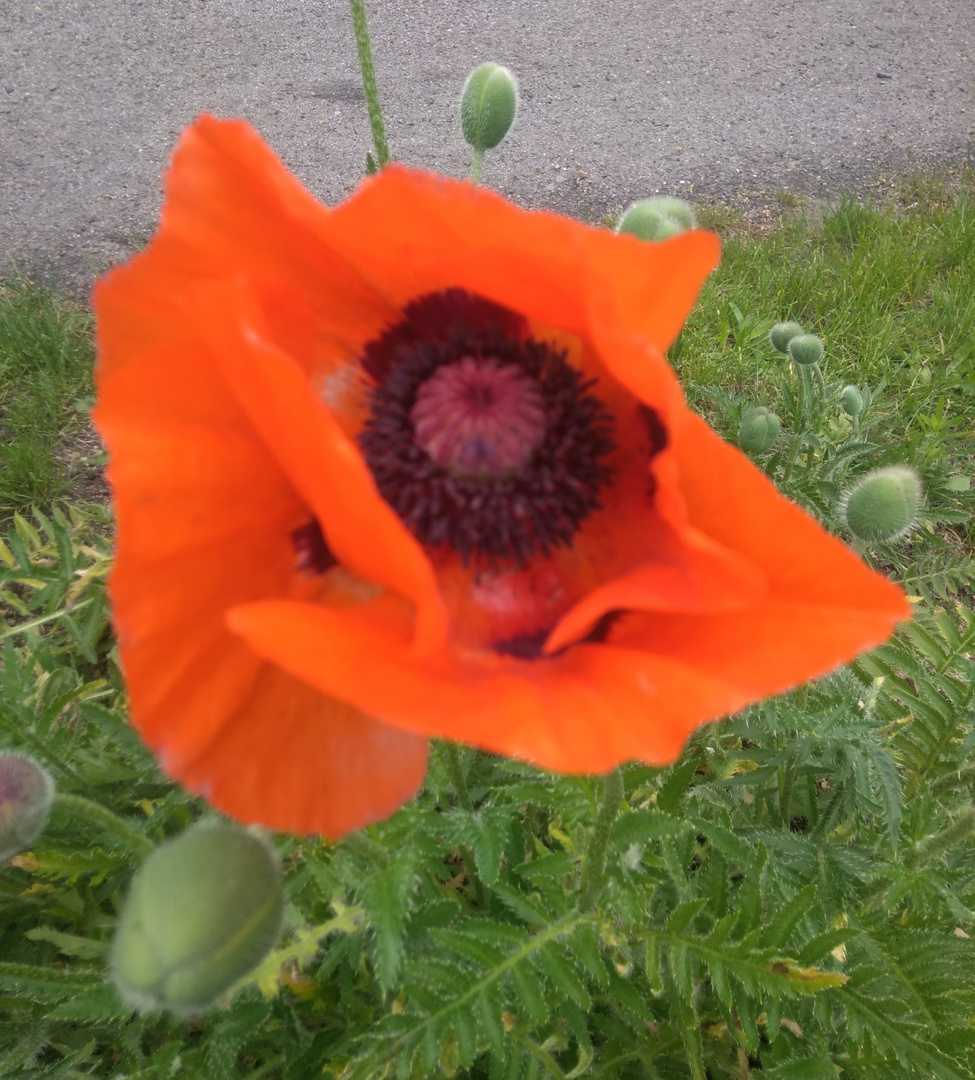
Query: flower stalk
477, 163
594, 862
363, 47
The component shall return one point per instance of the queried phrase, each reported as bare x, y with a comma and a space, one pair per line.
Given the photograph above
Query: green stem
364, 49
78, 806
594, 862
808, 394
785, 787
477, 163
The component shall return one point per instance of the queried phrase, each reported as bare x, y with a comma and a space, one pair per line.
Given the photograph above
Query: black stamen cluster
514, 517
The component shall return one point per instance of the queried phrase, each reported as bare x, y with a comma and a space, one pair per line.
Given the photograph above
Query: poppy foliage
416, 466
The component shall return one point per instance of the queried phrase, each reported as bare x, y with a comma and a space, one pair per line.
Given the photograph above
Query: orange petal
411, 233
232, 209
736, 505
297, 760
204, 515
688, 574
362, 530
765, 650
584, 711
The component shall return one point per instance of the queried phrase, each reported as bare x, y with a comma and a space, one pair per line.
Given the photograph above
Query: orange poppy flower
416, 466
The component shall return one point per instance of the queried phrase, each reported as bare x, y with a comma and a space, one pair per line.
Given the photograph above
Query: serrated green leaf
585, 949
521, 905
465, 1032
489, 1013
824, 943
561, 975
682, 915
384, 897
778, 931
530, 996
675, 786
469, 946
682, 970
70, 944
641, 826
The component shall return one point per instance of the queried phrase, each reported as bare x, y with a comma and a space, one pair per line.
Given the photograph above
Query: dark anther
312, 553
481, 438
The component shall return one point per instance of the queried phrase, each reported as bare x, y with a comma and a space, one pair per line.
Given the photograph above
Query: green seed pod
782, 333
657, 219
26, 794
883, 505
203, 910
759, 429
805, 349
851, 401
488, 105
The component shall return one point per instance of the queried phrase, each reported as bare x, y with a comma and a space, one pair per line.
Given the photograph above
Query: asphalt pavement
714, 99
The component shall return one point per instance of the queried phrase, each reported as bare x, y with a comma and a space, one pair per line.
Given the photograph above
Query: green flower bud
488, 105
759, 429
203, 910
883, 505
657, 218
782, 333
805, 349
851, 400
26, 794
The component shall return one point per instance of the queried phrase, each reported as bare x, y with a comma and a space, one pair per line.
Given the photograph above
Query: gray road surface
620, 99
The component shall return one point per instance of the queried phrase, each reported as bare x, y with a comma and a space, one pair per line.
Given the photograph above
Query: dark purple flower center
479, 417
482, 439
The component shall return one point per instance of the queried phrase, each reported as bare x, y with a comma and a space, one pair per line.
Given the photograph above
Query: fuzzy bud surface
26, 794
202, 911
759, 429
883, 505
488, 105
782, 333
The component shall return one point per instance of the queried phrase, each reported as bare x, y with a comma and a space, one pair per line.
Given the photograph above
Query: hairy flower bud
657, 218
203, 910
782, 333
488, 105
759, 429
851, 401
26, 794
805, 349
883, 505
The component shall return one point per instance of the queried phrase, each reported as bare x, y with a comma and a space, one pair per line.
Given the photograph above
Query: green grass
819, 836
46, 357
889, 290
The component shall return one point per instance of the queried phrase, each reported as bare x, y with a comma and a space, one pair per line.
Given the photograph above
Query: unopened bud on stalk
782, 333
883, 505
488, 105
759, 429
851, 401
203, 910
26, 794
657, 218
805, 349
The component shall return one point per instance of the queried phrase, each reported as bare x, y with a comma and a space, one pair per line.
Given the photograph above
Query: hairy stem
78, 806
477, 163
364, 49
